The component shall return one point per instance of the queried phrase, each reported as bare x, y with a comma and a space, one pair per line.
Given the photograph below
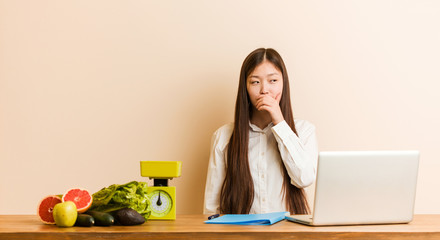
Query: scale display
161, 202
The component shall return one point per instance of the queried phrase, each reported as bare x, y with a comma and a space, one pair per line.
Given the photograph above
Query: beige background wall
90, 88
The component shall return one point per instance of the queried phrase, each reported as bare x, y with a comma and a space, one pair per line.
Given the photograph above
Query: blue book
249, 219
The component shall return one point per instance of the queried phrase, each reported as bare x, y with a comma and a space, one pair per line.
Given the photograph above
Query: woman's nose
263, 89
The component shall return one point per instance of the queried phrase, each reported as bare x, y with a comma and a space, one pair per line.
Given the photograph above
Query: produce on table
81, 197
130, 195
128, 202
45, 208
128, 217
65, 214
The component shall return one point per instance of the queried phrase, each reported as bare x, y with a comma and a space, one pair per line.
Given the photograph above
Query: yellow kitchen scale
162, 196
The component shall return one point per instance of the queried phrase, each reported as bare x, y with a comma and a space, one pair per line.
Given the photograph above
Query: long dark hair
237, 193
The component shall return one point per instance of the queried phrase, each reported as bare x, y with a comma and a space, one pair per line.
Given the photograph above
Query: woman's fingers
265, 102
272, 106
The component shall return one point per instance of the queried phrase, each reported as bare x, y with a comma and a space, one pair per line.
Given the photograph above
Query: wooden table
192, 227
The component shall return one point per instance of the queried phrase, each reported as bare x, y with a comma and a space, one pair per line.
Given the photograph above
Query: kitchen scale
162, 196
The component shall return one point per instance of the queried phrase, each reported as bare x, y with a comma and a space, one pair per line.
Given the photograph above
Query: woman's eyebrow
271, 74
254, 76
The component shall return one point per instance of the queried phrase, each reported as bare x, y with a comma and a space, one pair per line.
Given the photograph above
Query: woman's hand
271, 105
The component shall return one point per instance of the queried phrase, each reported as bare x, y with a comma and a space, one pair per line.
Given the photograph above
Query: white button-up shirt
299, 154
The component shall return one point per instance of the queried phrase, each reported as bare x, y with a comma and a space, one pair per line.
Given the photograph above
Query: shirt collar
255, 128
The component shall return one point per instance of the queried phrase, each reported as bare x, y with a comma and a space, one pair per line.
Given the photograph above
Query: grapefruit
81, 197
45, 208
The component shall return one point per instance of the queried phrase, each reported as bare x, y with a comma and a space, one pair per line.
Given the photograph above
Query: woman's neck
261, 118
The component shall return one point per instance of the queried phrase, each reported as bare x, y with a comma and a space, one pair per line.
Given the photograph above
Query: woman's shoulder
225, 130
222, 135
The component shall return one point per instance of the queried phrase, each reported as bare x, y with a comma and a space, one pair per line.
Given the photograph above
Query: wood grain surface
193, 227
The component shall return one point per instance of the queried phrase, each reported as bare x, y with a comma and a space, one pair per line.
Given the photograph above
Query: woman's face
266, 79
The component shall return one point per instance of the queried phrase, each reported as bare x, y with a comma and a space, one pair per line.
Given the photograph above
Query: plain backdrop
90, 88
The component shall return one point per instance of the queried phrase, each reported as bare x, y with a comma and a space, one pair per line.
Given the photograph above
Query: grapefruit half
81, 197
45, 208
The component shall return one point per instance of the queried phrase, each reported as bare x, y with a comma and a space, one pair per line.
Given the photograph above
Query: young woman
262, 161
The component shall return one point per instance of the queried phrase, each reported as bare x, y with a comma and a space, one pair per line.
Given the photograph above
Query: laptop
363, 187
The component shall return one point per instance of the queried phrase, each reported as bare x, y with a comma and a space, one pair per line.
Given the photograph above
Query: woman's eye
273, 80
255, 82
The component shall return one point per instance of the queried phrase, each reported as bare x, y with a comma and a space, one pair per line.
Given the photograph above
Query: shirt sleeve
216, 172
299, 154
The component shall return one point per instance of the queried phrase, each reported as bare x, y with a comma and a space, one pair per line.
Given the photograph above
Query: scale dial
161, 203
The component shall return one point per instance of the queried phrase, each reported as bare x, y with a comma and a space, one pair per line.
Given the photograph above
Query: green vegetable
131, 195
102, 218
84, 220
